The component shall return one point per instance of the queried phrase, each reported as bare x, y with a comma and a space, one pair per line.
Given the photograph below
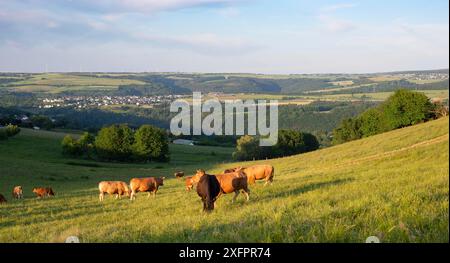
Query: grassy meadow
393, 185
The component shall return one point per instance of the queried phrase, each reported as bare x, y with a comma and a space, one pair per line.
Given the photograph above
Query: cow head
200, 172
160, 181
127, 190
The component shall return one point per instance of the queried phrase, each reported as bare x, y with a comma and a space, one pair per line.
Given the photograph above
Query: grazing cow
189, 183
43, 192
257, 172
229, 182
150, 185
179, 174
17, 192
208, 188
2, 199
117, 188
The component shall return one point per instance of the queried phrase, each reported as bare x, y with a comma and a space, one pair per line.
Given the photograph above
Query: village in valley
82, 102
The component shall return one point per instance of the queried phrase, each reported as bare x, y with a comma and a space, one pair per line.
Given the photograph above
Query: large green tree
406, 108
348, 130
247, 148
373, 121
292, 142
151, 143
115, 143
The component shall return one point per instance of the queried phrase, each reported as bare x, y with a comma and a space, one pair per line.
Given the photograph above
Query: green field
393, 185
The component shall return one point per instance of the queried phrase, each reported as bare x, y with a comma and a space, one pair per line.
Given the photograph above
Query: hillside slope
394, 185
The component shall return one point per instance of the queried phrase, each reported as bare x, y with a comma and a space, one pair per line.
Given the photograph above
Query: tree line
290, 142
120, 143
403, 108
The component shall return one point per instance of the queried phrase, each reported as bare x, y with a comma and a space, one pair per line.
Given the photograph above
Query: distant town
81, 102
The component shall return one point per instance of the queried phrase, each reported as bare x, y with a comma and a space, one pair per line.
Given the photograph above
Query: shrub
12, 130
70, 146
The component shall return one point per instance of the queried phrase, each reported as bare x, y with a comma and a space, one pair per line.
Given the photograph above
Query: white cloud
206, 43
152, 6
336, 25
332, 8
229, 12
332, 24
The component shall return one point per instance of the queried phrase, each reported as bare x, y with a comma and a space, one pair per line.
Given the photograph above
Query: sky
251, 36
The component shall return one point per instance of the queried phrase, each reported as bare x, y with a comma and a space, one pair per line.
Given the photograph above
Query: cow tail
272, 174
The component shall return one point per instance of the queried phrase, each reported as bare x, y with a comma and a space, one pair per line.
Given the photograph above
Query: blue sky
260, 36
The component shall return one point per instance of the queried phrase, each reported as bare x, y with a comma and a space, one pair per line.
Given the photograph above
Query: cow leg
100, 196
117, 196
247, 193
148, 195
236, 193
154, 194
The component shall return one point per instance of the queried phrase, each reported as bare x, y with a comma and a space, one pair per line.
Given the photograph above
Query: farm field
221, 84
394, 185
306, 99
376, 96
58, 82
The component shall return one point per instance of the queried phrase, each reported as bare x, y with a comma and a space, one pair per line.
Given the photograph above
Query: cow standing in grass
179, 174
42, 192
117, 188
208, 188
257, 172
17, 192
233, 182
149, 184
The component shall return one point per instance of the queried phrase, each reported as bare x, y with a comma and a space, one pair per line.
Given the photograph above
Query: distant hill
140, 84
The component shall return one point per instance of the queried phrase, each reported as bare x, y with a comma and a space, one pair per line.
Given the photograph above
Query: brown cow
179, 174
189, 183
17, 192
2, 199
117, 188
229, 182
257, 172
43, 192
149, 184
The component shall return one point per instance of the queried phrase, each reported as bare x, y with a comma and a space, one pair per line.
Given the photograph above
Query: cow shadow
260, 195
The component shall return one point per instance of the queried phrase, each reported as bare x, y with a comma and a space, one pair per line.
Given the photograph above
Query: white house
183, 142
